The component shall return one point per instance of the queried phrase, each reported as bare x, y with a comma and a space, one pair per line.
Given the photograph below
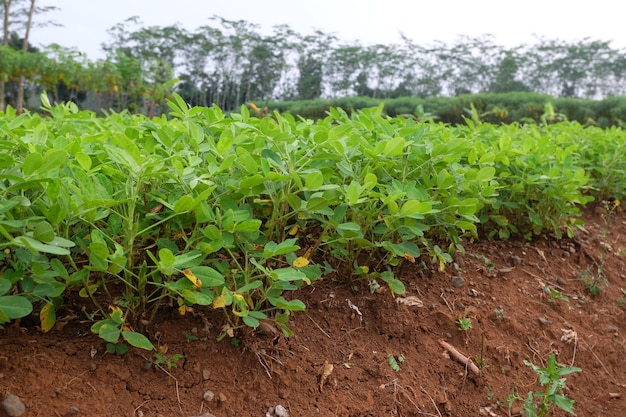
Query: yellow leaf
47, 317
182, 309
293, 230
409, 258
254, 107
219, 302
191, 277
300, 262
249, 301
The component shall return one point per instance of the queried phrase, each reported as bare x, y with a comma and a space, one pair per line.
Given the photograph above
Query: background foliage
229, 63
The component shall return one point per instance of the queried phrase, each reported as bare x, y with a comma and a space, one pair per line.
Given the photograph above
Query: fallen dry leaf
327, 369
410, 301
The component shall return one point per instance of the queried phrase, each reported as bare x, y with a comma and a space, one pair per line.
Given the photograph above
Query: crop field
237, 235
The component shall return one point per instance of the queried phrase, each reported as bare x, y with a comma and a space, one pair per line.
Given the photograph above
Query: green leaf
137, 340
287, 274
564, 403
15, 306
5, 286
314, 180
250, 182
293, 305
31, 163
395, 285
59, 268
208, 276
353, 192
251, 321
248, 226
43, 232
349, 229
166, 257
249, 287
196, 297
49, 289
413, 207
53, 159
394, 147
468, 206
370, 181
485, 174
272, 249
316, 203
109, 332
100, 250
184, 203
33, 244
84, 160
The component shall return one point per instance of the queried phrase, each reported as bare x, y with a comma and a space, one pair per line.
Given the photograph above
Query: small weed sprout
464, 324
550, 378
394, 363
593, 283
500, 313
189, 336
169, 361
554, 295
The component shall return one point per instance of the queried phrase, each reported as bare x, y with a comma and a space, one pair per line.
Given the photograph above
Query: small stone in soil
543, 320
13, 406
206, 374
74, 410
280, 411
457, 282
208, 396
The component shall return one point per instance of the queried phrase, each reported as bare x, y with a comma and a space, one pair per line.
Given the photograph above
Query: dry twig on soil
459, 357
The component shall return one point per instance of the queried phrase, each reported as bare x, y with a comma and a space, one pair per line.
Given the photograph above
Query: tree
19, 13
506, 74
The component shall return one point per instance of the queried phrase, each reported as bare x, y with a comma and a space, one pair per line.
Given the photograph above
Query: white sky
85, 22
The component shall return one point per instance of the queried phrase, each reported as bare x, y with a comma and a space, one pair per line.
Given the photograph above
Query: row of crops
134, 214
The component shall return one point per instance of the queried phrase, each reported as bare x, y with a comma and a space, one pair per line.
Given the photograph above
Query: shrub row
500, 108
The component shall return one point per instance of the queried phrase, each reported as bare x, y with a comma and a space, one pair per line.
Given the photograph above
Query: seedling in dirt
538, 403
593, 283
464, 324
394, 362
510, 400
622, 303
189, 337
500, 313
554, 295
483, 258
169, 361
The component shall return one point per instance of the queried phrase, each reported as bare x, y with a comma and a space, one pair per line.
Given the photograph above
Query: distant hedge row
501, 108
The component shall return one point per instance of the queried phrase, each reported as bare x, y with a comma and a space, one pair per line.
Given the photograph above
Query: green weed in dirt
540, 403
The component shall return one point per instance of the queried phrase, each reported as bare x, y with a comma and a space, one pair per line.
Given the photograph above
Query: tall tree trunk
6, 4
21, 81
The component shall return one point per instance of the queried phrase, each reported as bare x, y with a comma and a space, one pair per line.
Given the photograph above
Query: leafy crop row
135, 214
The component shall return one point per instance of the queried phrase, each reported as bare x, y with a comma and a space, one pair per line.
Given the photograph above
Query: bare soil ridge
525, 301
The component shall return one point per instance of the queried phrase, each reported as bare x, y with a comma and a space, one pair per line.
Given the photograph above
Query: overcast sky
85, 22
